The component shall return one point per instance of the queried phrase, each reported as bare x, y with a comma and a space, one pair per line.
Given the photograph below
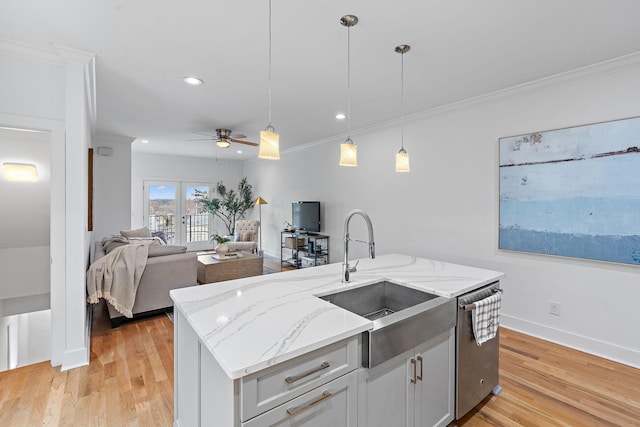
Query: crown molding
30, 51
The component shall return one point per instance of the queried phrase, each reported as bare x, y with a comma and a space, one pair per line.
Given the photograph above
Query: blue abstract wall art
573, 192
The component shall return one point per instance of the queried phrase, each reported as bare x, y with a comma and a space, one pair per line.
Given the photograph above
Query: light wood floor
129, 382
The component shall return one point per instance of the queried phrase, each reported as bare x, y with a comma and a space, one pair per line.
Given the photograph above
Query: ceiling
460, 49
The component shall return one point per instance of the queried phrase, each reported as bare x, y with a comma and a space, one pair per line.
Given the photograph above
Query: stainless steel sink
403, 317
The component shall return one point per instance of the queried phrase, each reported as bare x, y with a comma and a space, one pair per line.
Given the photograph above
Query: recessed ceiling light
145, 141
192, 81
340, 116
239, 151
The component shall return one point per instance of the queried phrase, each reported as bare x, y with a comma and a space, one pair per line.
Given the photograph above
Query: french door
171, 207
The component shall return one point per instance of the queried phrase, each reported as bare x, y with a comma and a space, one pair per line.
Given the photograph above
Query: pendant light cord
269, 115
348, 83
402, 101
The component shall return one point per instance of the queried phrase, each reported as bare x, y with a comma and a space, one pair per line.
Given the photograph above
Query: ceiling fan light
269, 145
223, 143
402, 161
348, 153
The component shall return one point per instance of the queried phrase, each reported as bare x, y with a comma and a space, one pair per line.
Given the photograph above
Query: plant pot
222, 249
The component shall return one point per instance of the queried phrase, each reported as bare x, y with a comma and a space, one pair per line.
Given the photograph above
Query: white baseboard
81, 356
74, 359
598, 348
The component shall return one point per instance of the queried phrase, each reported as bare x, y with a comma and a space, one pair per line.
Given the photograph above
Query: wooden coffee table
211, 269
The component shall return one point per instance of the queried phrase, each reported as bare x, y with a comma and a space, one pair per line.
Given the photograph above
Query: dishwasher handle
471, 307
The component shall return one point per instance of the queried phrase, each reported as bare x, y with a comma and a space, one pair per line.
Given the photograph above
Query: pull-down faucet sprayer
346, 270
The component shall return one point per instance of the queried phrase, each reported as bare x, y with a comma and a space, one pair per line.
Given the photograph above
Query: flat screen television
305, 216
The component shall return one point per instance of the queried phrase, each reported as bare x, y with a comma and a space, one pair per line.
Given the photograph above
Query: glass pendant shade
402, 161
269, 145
20, 172
348, 153
223, 143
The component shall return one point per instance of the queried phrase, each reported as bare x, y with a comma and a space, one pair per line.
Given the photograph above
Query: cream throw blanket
116, 276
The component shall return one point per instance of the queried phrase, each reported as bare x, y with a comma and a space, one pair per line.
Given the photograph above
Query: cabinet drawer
332, 404
278, 384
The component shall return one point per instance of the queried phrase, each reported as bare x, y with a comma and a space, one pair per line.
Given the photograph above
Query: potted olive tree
231, 205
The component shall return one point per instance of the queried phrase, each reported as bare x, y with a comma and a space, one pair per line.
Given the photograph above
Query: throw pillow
138, 232
147, 240
160, 234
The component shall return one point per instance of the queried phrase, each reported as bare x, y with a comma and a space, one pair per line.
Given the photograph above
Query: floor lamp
260, 201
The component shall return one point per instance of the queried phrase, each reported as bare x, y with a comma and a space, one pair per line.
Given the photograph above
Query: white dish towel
486, 318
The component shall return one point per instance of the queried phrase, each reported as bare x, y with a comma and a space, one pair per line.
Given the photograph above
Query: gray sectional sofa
168, 267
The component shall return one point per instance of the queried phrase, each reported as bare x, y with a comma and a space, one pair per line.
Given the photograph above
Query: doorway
171, 207
25, 315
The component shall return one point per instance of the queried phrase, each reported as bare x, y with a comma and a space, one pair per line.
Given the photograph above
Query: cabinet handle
413, 362
292, 379
419, 377
297, 409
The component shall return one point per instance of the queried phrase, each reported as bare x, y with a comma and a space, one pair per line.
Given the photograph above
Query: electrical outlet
554, 308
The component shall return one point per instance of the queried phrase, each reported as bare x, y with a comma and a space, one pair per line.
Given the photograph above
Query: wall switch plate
554, 308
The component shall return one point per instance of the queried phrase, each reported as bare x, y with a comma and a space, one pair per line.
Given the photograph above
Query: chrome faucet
346, 269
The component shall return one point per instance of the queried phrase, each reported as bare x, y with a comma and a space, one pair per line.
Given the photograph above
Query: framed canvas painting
573, 192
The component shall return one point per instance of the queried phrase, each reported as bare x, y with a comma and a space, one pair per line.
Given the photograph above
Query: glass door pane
161, 209
196, 222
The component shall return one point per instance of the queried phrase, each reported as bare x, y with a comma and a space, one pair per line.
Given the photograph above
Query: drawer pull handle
419, 377
297, 409
291, 380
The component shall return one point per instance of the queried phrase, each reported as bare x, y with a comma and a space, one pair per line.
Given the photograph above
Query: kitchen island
234, 340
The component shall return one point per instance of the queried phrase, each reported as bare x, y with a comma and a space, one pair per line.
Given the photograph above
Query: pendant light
348, 150
402, 157
269, 139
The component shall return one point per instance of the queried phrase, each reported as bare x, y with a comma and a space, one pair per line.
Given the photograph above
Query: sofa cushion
246, 236
155, 250
138, 232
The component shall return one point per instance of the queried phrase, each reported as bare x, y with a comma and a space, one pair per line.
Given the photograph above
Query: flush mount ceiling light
20, 172
269, 139
193, 81
402, 157
348, 150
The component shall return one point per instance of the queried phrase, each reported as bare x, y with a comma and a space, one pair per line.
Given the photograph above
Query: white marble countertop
252, 323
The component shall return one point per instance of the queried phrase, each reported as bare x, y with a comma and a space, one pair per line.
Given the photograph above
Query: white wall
111, 186
446, 208
58, 99
159, 167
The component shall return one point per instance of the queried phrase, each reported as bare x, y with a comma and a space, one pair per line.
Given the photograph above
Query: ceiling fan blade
254, 144
237, 136
209, 134
203, 139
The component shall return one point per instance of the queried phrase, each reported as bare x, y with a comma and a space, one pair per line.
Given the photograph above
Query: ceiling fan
224, 139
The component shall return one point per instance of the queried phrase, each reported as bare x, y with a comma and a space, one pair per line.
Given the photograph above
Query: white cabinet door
415, 388
434, 398
331, 405
386, 394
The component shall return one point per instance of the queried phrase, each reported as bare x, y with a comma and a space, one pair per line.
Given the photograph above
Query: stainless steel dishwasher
476, 366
